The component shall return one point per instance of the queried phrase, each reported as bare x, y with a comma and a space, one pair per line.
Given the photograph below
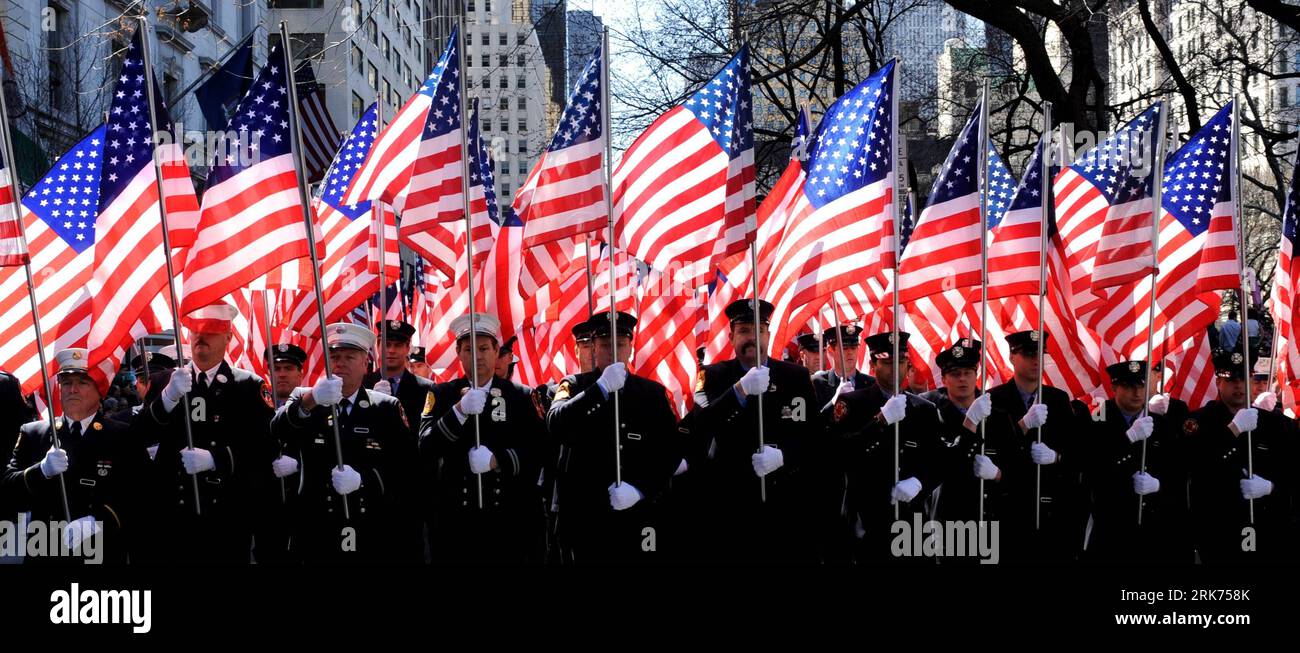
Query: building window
372, 31
505, 190
385, 49
523, 103
387, 91
504, 104
487, 6
487, 82
523, 124
373, 77
503, 38
484, 61
357, 107
397, 61
469, 82
503, 82
487, 125
471, 6
358, 60
482, 38
523, 146
505, 124
523, 166
503, 60
519, 60
519, 81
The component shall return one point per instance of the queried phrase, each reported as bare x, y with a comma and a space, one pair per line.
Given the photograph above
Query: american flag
1122, 171
415, 165
838, 217
319, 136
347, 232
1084, 194
665, 339
1285, 278
252, 215
1072, 362
1198, 254
441, 243
59, 220
727, 286
498, 284
944, 250
564, 303
130, 264
12, 248
564, 194
683, 193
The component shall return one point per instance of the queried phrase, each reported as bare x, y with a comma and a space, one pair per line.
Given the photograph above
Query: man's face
1129, 397
350, 365
883, 370
1232, 392
850, 360
79, 395
605, 353
502, 369
396, 353
810, 359
1258, 386
141, 385
961, 383
1025, 365
487, 356
585, 350
209, 348
287, 377
420, 368
744, 339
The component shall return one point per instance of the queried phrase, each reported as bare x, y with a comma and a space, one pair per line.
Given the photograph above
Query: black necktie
75, 432
201, 380
344, 405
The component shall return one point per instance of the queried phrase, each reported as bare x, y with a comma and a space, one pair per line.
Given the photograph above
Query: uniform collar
85, 423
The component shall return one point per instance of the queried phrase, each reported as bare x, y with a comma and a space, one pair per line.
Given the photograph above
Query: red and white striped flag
13, 249
1285, 279
683, 193
665, 339
319, 136
251, 221
564, 195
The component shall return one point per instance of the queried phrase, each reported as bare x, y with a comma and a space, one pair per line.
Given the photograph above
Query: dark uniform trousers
1062, 519
104, 480
231, 418
1116, 535
1219, 462
581, 419
510, 525
865, 445
383, 523
734, 523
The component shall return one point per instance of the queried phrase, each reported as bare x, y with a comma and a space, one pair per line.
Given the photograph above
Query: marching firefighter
841, 346
394, 378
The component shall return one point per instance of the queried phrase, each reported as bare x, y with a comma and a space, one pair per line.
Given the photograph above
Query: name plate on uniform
634, 436
360, 429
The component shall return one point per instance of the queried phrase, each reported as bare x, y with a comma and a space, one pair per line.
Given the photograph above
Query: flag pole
1045, 187
167, 244
609, 212
839, 341
984, 263
295, 130
270, 368
896, 170
591, 301
1157, 179
469, 232
821, 340
31, 294
1241, 260
377, 219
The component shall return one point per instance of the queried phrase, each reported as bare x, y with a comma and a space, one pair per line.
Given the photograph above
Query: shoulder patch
402, 411
267, 396
699, 380
563, 391
429, 400
537, 403
841, 409
1190, 426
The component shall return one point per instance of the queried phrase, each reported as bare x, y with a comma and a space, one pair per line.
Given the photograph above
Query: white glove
153, 451
906, 490
844, 388
767, 461
472, 402
980, 409
345, 480
613, 377
78, 530
624, 496
284, 466
1159, 404
328, 391
1042, 454
1141, 429
894, 409
1144, 484
755, 381
480, 460
197, 460
1246, 419
383, 387
179, 385
681, 468
54, 463
1256, 487
1266, 401
1035, 417
984, 467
